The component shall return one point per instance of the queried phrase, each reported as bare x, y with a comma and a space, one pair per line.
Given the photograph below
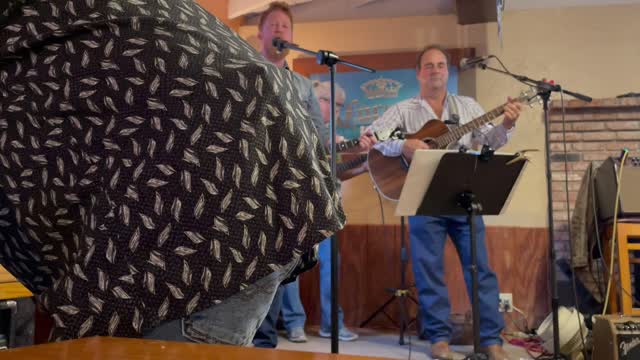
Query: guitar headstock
529, 97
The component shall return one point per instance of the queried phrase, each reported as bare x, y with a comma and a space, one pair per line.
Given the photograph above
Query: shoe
495, 352
297, 335
441, 351
344, 334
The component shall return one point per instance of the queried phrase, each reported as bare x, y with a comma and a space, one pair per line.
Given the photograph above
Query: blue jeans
428, 236
287, 300
324, 258
234, 321
293, 314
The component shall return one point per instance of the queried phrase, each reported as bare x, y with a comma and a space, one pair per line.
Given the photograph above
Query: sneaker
344, 334
297, 335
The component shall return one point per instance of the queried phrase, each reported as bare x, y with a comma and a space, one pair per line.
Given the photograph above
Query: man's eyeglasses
338, 104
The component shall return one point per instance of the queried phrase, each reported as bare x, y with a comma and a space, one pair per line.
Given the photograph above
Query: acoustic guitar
389, 173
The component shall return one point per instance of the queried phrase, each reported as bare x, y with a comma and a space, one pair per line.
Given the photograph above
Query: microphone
468, 63
281, 44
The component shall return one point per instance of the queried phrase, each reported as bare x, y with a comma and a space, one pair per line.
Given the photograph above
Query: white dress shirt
410, 115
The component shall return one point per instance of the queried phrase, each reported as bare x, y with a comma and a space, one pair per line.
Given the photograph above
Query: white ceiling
327, 10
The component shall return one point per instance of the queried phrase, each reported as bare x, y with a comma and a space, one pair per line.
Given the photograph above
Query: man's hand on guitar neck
410, 146
366, 141
511, 113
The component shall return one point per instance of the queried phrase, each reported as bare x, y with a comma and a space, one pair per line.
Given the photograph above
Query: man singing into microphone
428, 234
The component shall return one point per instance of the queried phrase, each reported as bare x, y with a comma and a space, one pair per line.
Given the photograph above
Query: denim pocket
236, 320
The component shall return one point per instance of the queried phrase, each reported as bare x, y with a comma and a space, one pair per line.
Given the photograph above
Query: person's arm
495, 136
390, 119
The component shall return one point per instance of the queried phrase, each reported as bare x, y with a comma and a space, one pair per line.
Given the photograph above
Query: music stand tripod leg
473, 208
401, 292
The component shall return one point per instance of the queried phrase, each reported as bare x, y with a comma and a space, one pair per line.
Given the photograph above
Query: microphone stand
328, 58
544, 91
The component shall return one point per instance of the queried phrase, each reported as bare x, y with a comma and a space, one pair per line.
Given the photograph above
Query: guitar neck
342, 167
348, 144
455, 134
380, 136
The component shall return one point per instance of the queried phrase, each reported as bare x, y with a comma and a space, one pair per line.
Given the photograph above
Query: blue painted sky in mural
385, 88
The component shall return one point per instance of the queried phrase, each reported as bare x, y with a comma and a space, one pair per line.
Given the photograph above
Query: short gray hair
323, 89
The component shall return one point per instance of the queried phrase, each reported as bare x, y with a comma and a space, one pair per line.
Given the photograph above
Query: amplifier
616, 337
606, 186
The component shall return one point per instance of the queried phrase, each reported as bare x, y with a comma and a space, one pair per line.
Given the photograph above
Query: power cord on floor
532, 344
410, 340
526, 329
525, 338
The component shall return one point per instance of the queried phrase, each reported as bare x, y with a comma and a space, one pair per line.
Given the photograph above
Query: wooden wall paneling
355, 263
519, 256
371, 263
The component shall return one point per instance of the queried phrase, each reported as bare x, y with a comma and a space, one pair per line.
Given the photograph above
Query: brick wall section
594, 131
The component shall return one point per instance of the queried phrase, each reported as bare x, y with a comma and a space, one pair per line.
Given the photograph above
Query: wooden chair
627, 230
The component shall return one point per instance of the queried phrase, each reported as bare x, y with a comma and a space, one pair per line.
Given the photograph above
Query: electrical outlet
506, 302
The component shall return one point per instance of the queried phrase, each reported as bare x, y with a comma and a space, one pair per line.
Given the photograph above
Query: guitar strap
454, 117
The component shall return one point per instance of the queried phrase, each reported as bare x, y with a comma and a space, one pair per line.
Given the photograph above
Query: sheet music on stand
467, 177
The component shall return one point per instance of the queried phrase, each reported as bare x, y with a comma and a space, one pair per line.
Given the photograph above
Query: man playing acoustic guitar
427, 233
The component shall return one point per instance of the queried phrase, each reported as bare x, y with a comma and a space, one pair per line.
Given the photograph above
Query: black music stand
462, 184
